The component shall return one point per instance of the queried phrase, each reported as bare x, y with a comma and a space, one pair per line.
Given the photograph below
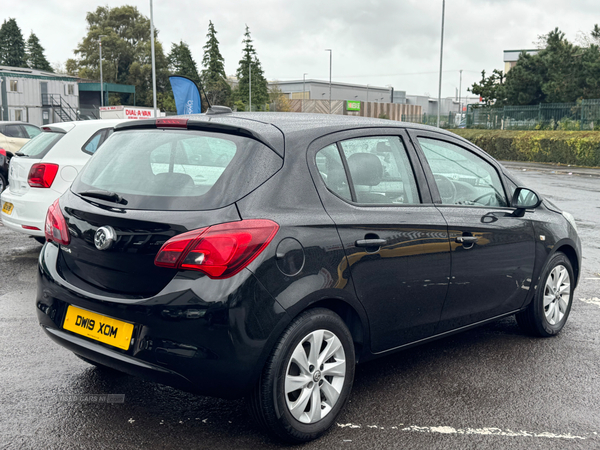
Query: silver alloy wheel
315, 376
557, 294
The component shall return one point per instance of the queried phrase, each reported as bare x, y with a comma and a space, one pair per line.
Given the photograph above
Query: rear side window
31, 131
96, 140
41, 144
178, 169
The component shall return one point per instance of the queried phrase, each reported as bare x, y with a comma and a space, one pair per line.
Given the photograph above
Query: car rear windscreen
177, 169
41, 144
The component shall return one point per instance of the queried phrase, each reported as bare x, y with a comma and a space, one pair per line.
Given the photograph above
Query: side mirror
524, 199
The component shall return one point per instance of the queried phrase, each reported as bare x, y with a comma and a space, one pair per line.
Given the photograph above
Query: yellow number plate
96, 326
7, 208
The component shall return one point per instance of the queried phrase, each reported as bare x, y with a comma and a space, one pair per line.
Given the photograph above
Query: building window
18, 115
14, 86
70, 89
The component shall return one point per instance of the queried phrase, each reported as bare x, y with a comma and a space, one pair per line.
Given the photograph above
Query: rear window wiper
20, 154
104, 195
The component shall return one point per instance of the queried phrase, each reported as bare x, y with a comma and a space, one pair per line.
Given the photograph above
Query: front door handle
370, 242
466, 239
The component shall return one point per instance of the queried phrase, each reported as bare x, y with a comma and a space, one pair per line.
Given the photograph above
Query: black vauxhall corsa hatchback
264, 255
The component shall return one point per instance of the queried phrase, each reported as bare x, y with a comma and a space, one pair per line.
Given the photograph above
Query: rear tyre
549, 310
3, 183
41, 240
308, 378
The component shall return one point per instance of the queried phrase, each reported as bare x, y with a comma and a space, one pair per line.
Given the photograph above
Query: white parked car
45, 167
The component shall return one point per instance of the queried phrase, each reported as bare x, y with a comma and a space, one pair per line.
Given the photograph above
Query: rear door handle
370, 242
466, 239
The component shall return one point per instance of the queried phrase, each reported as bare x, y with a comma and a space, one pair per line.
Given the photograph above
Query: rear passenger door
492, 251
395, 240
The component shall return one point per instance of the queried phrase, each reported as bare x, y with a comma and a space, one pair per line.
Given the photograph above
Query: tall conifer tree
35, 54
214, 79
12, 45
260, 92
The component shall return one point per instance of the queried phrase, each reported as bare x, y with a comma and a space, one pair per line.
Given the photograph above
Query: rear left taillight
42, 175
56, 226
220, 251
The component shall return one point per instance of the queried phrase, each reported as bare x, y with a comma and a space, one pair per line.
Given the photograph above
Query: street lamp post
303, 89
459, 96
250, 84
153, 61
367, 93
101, 80
330, 59
441, 56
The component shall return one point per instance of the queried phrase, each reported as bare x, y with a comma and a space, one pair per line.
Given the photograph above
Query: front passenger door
492, 251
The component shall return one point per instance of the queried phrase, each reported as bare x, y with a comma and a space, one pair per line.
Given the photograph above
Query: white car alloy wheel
557, 294
315, 376
549, 309
306, 382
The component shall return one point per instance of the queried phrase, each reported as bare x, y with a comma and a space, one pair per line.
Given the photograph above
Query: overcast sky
376, 42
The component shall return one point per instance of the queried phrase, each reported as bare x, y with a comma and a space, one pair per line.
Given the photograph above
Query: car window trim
334, 138
416, 133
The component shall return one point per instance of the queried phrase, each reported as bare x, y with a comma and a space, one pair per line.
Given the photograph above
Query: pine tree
12, 45
182, 63
260, 92
35, 54
214, 79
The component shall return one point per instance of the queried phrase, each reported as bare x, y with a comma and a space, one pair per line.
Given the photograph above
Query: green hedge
580, 148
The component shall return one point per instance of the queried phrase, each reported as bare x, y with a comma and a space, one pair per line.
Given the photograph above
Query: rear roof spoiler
201, 125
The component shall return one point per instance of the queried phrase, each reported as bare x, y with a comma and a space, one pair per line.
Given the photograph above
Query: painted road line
591, 301
467, 431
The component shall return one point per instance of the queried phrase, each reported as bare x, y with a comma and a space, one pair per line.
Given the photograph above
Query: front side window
380, 171
462, 178
96, 140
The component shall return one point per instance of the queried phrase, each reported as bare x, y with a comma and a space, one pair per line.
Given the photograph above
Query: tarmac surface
492, 387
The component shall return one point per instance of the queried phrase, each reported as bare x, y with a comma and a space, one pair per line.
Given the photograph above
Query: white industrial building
36, 96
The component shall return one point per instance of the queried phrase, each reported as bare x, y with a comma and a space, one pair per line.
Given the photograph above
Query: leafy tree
214, 79
260, 93
12, 45
35, 54
490, 89
560, 72
182, 63
126, 57
279, 100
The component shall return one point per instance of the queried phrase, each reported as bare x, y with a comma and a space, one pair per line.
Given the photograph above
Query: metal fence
582, 115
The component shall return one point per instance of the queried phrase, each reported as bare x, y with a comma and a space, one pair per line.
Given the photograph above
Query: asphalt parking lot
492, 387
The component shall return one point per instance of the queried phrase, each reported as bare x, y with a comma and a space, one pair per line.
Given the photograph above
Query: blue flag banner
187, 97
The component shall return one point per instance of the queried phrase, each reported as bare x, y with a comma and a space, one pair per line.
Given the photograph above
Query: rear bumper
213, 345
28, 209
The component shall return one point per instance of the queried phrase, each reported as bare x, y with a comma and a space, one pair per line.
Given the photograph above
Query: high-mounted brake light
42, 175
171, 123
55, 228
220, 251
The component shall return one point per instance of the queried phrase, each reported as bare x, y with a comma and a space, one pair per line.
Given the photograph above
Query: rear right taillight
220, 251
3, 152
42, 175
56, 226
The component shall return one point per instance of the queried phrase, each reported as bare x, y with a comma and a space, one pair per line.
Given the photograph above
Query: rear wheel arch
350, 317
